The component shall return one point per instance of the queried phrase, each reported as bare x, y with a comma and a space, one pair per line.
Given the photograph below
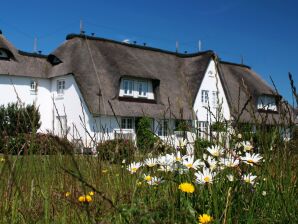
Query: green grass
33, 188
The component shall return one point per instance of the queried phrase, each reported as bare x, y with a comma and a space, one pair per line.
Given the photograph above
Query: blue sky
263, 32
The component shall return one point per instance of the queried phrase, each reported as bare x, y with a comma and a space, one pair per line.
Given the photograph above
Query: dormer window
128, 87
136, 89
3, 54
142, 88
54, 60
266, 102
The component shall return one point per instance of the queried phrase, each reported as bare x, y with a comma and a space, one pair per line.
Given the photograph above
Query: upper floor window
33, 86
60, 86
142, 88
3, 54
127, 123
136, 88
128, 87
267, 103
204, 96
215, 99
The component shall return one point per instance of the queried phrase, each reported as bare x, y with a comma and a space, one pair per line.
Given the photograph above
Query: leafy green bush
116, 151
39, 144
145, 138
16, 118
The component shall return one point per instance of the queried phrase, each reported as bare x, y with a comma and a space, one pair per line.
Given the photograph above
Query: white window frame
267, 103
127, 123
144, 89
204, 96
203, 129
33, 86
215, 100
163, 128
60, 86
130, 87
61, 125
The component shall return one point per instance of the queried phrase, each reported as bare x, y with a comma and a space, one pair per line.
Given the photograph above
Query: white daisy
229, 161
155, 181
151, 162
189, 162
133, 167
230, 177
166, 160
215, 151
251, 159
247, 146
205, 177
212, 163
249, 178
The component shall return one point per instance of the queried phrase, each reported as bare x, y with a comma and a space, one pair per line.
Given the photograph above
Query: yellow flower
85, 198
187, 187
205, 219
91, 193
67, 194
148, 178
139, 183
88, 198
82, 199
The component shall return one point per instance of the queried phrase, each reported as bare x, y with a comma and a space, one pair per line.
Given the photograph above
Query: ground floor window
61, 125
127, 123
163, 127
203, 129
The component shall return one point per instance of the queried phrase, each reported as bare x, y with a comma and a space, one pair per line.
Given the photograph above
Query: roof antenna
81, 27
200, 45
177, 46
35, 45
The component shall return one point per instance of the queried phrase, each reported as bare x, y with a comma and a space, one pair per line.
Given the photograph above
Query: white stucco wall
13, 86
211, 82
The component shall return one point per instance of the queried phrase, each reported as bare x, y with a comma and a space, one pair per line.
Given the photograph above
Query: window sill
132, 99
33, 92
59, 97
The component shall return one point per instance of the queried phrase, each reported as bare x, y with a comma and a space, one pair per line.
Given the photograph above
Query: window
142, 89
204, 96
3, 54
33, 86
163, 128
60, 86
214, 99
127, 123
128, 87
267, 103
61, 125
203, 129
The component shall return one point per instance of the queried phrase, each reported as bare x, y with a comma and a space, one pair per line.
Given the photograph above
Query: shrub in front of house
145, 137
117, 150
37, 144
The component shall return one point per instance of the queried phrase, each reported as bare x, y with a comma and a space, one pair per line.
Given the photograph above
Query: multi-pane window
267, 103
163, 128
128, 87
214, 99
126, 123
203, 129
61, 125
142, 89
60, 86
204, 96
33, 86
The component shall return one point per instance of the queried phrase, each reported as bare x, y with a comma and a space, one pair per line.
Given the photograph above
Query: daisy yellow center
216, 153
178, 159
148, 178
151, 164
250, 161
134, 169
187, 187
205, 219
189, 165
207, 179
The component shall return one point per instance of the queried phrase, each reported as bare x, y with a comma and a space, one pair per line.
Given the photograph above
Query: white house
96, 89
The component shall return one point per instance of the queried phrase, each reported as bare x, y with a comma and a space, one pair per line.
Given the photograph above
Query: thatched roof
243, 87
98, 65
